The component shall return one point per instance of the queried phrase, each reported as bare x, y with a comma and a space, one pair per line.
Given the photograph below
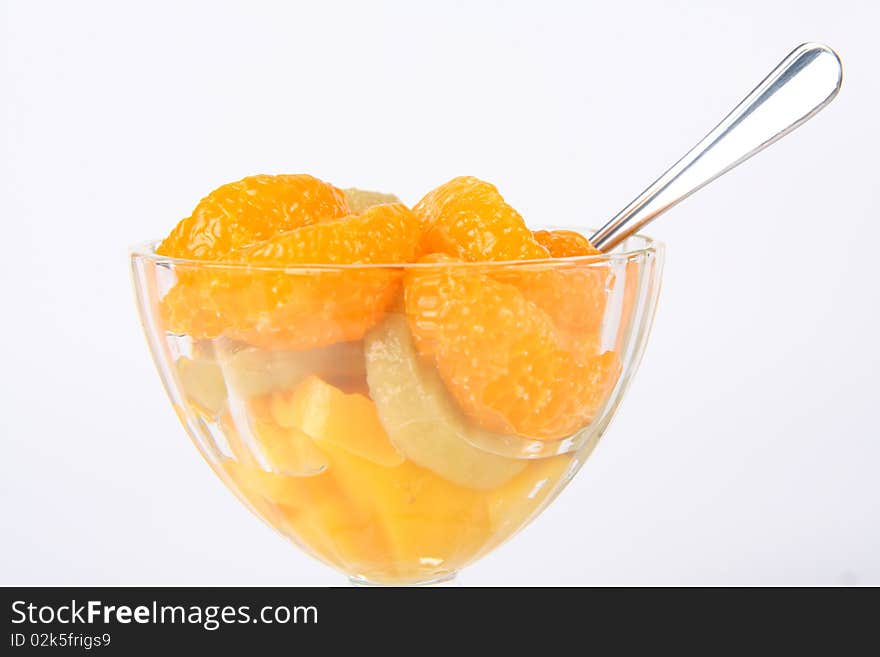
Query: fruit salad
396, 389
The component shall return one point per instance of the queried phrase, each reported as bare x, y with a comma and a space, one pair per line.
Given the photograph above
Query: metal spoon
801, 85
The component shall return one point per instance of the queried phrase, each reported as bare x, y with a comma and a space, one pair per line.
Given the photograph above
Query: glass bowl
398, 422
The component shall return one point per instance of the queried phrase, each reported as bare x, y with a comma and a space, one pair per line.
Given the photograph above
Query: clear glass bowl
393, 459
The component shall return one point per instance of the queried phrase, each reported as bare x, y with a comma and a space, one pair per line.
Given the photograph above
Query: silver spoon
801, 85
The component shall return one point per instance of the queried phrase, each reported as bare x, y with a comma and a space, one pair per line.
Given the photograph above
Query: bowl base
444, 580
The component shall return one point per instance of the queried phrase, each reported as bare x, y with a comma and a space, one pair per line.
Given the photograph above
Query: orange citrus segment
250, 211
382, 234
574, 294
565, 243
468, 219
500, 354
299, 309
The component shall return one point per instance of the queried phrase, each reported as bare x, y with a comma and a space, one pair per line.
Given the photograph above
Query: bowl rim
147, 251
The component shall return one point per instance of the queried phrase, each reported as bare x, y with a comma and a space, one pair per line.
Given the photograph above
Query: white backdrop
747, 451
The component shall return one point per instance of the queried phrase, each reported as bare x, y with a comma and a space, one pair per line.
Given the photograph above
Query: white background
747, 451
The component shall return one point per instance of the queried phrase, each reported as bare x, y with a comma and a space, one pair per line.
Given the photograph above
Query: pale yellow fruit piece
251, 372
201, 381
360, 199
420, 417
257, 441
331, 417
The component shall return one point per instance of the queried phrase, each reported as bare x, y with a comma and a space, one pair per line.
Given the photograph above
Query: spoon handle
801, 85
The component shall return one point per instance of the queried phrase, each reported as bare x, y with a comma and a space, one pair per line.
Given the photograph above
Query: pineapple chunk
332, 417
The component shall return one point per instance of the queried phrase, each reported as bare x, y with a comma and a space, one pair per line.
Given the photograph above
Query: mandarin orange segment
565, 243
576, 294
573, 296
299, 309
385, 233
250, 211
500, 355
468, 219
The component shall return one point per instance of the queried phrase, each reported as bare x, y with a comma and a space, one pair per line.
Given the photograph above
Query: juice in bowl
396, 390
